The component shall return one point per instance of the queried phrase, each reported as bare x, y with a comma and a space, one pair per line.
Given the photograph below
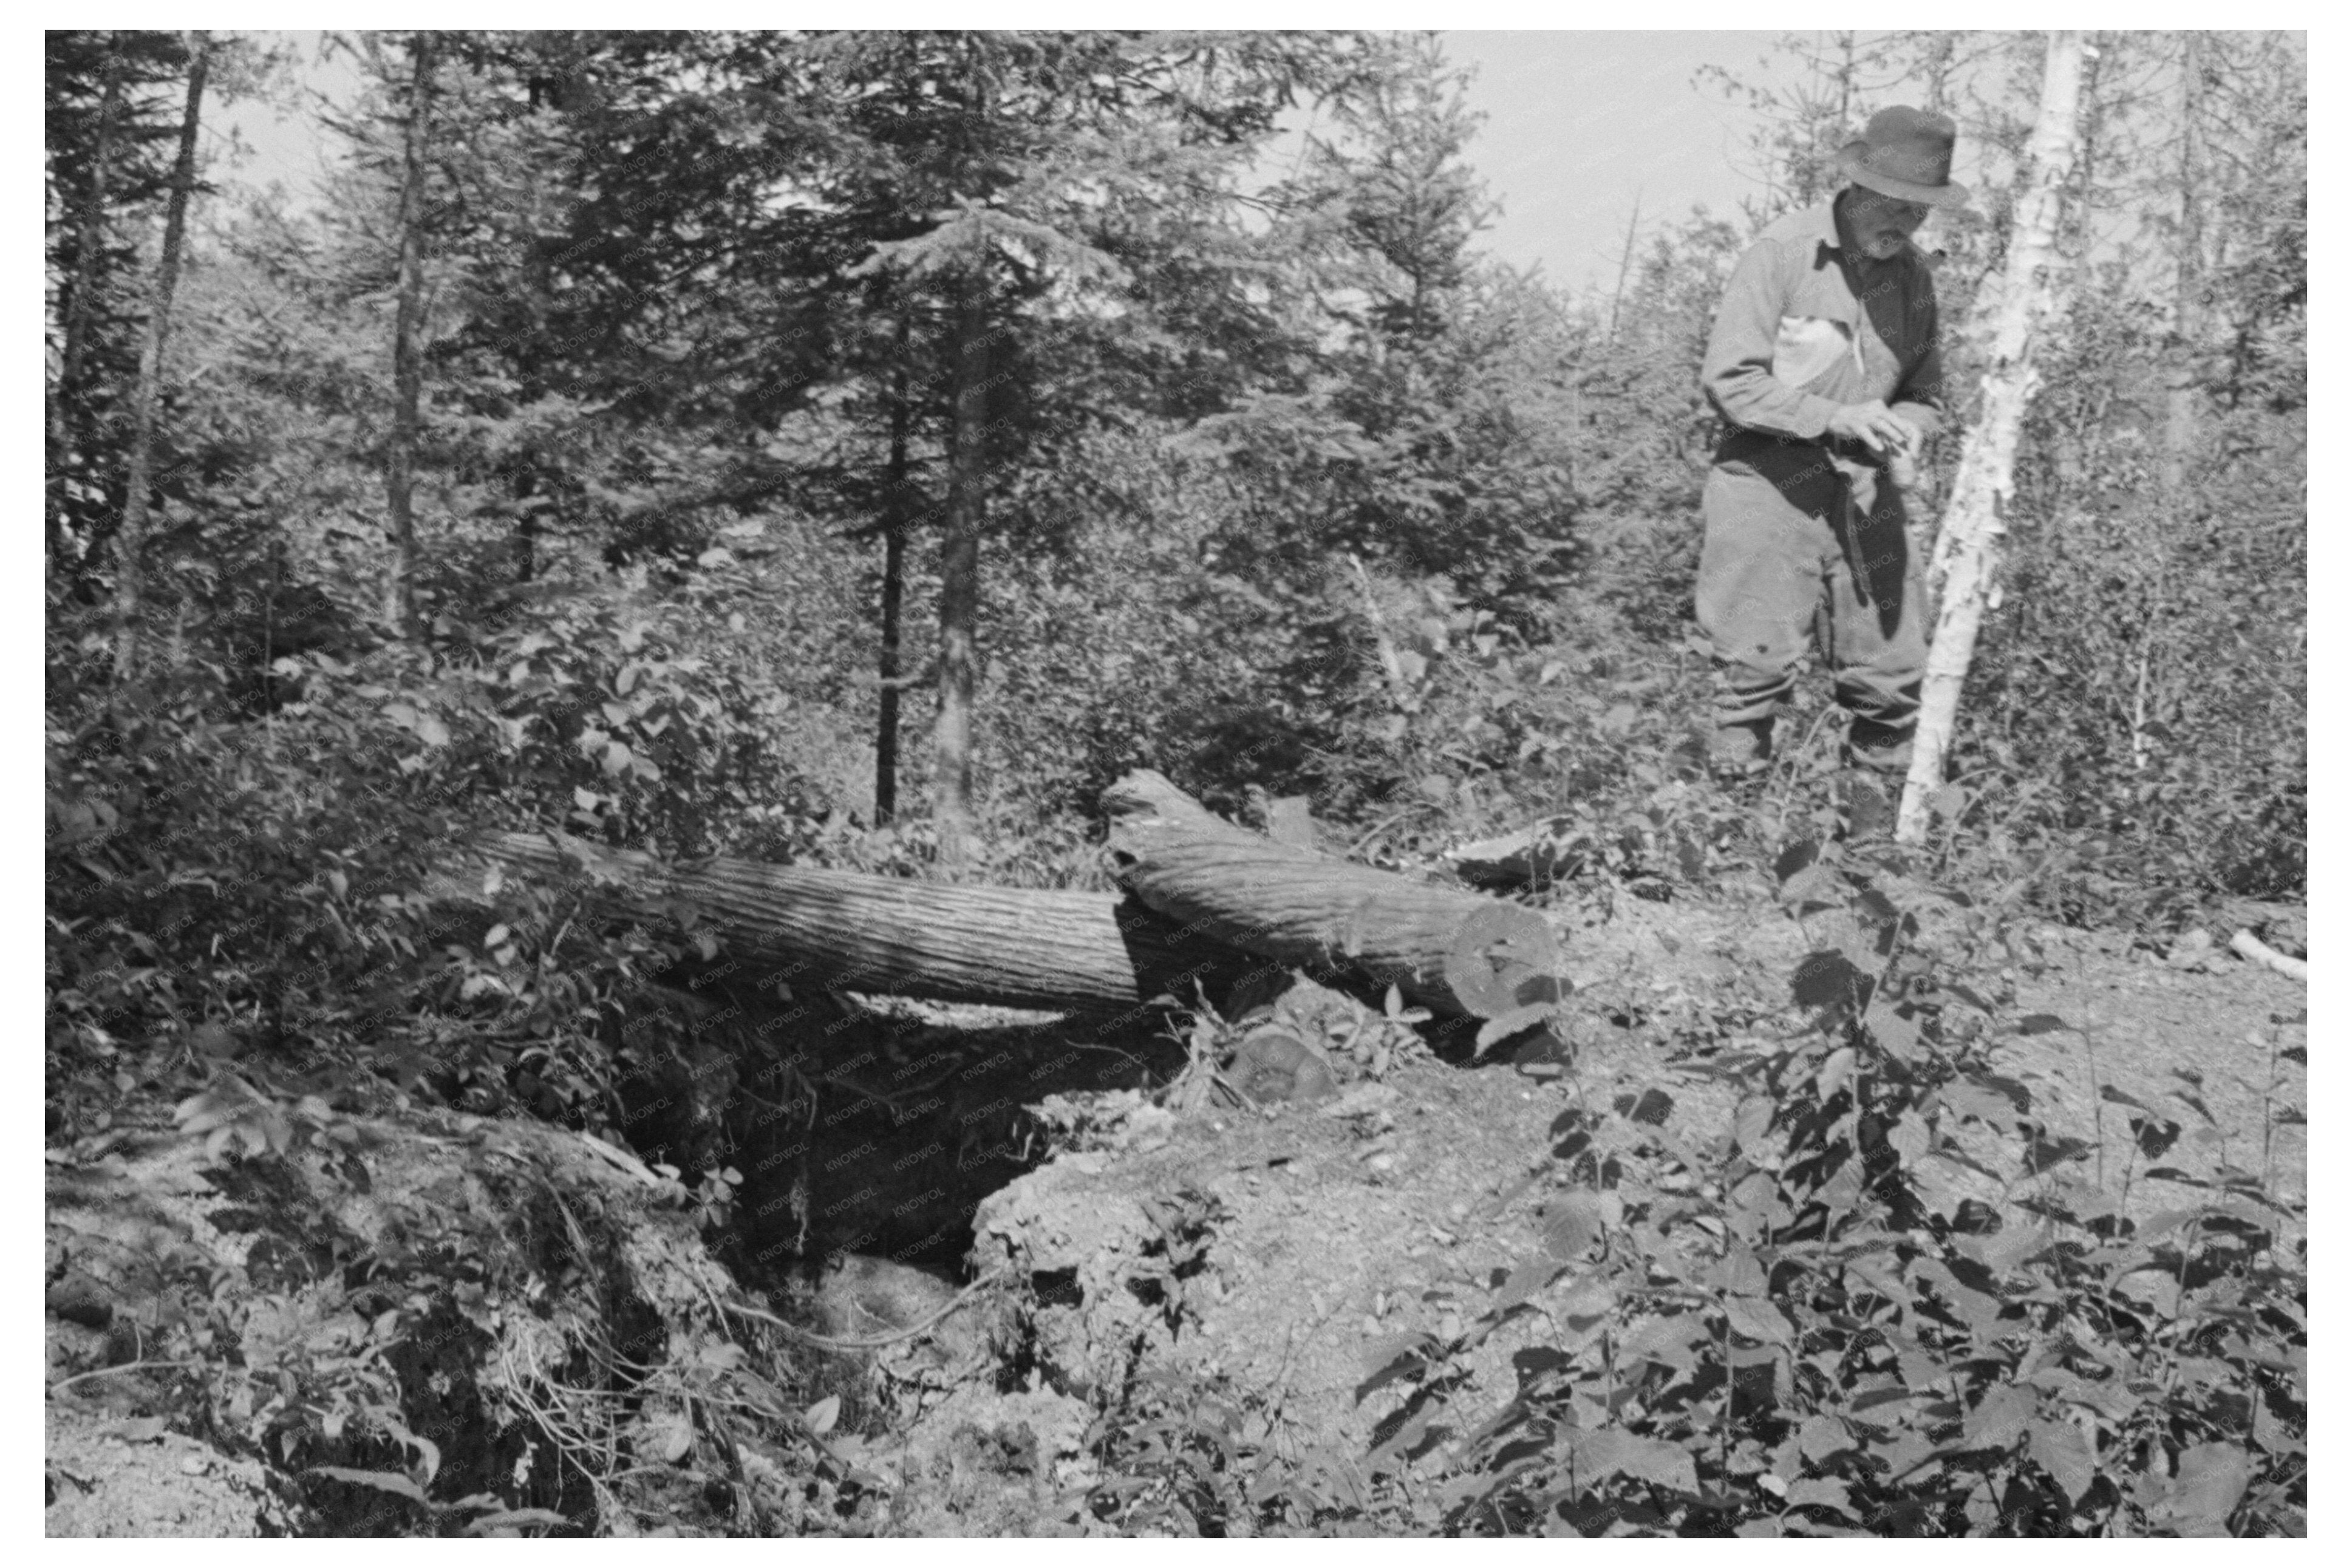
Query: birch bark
1967, 547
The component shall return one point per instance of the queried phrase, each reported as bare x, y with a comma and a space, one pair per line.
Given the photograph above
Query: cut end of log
1504, 957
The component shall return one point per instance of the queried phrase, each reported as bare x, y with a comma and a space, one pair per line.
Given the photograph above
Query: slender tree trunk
894, 590
1624, 265
407, 367
89, 221
1938, 68
130, 538
966, 510
959, 576
1845, 84
2181, 383
1968, 549
529, 481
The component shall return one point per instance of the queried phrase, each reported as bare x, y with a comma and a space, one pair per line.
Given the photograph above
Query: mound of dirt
1276, 1251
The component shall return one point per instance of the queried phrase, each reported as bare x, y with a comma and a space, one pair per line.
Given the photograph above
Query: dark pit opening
868, 1127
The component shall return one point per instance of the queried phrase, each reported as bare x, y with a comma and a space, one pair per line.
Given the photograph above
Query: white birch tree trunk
1967, 547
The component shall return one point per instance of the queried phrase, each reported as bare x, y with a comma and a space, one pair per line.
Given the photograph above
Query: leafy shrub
286, 877
1835, 1318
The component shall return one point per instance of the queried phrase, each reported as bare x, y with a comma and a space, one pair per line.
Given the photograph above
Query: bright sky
288, 149
1579, 127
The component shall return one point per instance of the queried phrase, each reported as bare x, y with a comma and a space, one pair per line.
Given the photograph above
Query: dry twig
2245, 944
868, 1342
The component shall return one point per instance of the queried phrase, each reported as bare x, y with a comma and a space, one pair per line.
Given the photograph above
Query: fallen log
1453, 951
845, 931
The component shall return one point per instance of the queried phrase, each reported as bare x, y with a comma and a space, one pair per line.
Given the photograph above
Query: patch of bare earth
1313, 1238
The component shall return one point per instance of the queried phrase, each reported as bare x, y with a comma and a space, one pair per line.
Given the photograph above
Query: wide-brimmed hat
1906, 154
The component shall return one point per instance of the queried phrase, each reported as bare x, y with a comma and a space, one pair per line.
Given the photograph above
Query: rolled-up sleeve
1738, 374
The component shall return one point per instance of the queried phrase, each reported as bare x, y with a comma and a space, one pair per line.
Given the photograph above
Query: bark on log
1453, 952
845, 931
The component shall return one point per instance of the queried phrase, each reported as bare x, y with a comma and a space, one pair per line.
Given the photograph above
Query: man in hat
1823, 364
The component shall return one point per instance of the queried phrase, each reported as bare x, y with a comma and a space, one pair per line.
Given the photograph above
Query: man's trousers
1808, 554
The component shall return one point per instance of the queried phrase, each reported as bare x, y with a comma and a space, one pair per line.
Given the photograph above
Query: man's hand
1875, 426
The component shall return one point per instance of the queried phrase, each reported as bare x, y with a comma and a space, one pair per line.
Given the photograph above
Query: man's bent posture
1823, 362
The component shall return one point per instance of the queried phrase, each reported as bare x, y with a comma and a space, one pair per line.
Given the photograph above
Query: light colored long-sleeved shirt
1807, 326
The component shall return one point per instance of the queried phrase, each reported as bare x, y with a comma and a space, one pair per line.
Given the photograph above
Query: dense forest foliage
858, 448
866, 446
